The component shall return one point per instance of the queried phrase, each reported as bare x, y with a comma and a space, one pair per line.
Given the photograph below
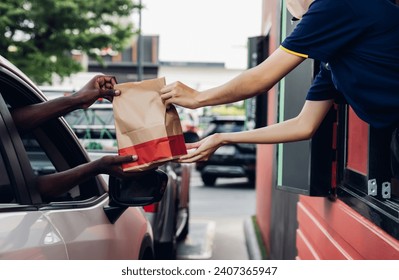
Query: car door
77, 216
25, 233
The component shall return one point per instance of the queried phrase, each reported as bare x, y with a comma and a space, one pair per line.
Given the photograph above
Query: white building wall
199, 78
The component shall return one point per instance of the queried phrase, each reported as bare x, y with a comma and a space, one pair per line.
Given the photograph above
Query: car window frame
29, 95
11, 159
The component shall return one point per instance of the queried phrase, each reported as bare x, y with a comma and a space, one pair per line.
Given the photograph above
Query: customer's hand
112, 165
180, 94
100, 86
204, 149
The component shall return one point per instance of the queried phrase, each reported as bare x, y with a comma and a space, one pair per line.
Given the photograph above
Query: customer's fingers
106, 81
109, 92
125, 159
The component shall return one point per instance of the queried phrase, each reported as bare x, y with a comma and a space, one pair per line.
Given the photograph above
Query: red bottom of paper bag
155, 151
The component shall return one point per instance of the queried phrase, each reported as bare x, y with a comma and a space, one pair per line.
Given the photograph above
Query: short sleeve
327, 27
323, 87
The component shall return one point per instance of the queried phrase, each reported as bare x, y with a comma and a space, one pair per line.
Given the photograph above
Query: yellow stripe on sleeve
294, 53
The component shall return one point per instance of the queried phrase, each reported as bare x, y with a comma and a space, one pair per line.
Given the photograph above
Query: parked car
83, 223
169, 217
189, 123
233, 160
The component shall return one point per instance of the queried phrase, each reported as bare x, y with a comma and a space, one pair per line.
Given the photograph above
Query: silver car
86, 222
169, 217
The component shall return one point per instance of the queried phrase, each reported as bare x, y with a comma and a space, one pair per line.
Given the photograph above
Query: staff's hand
100, 86
204, 149
180, 94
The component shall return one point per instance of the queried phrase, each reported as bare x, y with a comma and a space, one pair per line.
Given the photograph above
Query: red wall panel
357, 150
333, 230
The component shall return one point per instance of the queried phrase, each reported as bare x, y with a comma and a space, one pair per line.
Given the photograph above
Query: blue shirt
359, 41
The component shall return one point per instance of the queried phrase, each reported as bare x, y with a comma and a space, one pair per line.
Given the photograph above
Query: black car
233, 160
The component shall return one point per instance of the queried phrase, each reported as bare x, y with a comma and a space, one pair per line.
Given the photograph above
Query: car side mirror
146, 188
140, 190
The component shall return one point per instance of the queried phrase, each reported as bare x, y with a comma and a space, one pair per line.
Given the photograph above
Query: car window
6, 190
38, 159
42, 165
50, 148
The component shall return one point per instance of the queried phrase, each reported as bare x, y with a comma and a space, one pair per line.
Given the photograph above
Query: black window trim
63, 205
11, 207
352, 186
12, 159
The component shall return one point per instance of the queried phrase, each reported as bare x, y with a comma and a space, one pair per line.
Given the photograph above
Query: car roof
11, 67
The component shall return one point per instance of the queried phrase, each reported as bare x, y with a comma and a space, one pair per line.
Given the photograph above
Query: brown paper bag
144, 127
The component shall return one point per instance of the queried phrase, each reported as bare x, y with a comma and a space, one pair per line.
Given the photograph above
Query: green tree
39, 35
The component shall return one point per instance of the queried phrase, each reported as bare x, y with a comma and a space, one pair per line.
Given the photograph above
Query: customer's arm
55, 184
28, 117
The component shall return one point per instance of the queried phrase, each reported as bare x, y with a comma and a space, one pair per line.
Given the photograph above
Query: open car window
42, 165
50, 148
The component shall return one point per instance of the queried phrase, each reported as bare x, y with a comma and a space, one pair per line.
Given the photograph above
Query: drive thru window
364, 173
346, 160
